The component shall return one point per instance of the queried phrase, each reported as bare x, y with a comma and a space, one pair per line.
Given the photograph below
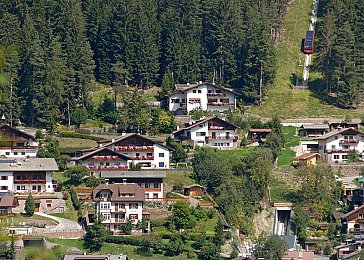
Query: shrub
81, 136
76, 203
158, 223
92, 181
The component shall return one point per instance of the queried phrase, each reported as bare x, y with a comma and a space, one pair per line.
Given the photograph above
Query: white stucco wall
175, 106
49, 184
18, 153
9, 182
158, 159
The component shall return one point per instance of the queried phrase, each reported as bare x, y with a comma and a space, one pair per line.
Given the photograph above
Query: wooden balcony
18, 147
220, 104
30, 181
153, 189
227, 137
119, 220
353, 141
341, 150
356, 230
215, 94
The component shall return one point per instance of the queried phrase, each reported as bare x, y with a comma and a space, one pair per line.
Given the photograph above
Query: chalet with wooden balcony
134, 148
27, 175
209, 131
150, 180
204, 96
258, 134
353, 222
336, 145
118, 203
17, 144
313, 130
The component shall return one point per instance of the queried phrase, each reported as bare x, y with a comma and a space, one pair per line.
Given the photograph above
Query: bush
158, 223
81, 136
92, 181
39, 134
76, 203
128, 240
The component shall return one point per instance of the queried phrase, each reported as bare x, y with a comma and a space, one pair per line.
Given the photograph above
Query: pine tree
29, 205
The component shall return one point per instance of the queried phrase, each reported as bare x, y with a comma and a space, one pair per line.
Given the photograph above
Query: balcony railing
105, 168
340, 150
220, 104
215, 94
153, 189
119, 220
105, 157
123, 210
347, 141
133, 148
142, 157
356, 230
19, 147
227, 137
30, 181
212, 127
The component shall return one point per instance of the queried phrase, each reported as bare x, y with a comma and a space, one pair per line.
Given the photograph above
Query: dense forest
52, 52
341, 50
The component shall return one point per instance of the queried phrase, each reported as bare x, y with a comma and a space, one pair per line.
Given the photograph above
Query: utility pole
261, 83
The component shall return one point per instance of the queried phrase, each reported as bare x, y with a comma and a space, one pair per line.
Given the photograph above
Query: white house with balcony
204, 96
336, 145
209, 131
17, 144
118, 203
353, 222
134, 148
27, 175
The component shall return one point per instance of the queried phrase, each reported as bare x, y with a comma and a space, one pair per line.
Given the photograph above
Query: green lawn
75, 143
22, 217
291, 140
282, 100
283, 190
177, 177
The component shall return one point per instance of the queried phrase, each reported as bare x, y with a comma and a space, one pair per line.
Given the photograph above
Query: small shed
194, 190
306, 159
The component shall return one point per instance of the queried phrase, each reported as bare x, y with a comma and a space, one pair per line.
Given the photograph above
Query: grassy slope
291, 140
282, 100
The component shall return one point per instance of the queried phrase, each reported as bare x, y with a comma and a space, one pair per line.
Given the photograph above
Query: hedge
158, 223
75, 201
81, 136
128, 240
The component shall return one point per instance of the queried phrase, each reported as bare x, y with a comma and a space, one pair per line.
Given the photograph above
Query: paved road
63, 224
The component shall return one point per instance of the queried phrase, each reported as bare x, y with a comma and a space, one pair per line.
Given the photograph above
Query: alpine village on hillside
191, 129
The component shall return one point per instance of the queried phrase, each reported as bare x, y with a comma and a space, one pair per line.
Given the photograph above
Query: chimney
200, 82
177, 127
123, 133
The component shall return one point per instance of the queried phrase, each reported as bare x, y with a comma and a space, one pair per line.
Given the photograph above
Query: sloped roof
134, 174
306, 156
352, 212
260, 130
28, 164
206, 119
119, 189
6, 199
101, 149
185, 87
315, 126
333, 133
22, 133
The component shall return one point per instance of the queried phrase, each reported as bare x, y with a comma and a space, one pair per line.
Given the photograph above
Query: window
201, 133
4, 178
156, 185
161, 154
344, 157
22, 153
22, 187
106, 216
175, 101
218, 91
7, 153
34, 187
183, 100
34, 177
147, 185
91, 164
336, 137
104, 205
15, 153
4, 187
146, 195
194, 91
101, 164
17, 187
199, 91
133, 206
137, 154
49, 205
336, 157
133, 216
155, 195
107, 164
209, 91
161, 164
333, 146
149, 154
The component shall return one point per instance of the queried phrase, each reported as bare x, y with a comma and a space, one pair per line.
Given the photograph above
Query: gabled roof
101, 149
306, 156
317, 126
118, 189
184, 87
134, 174
141, 136
260, 130
206, 119
22, 133
352, 212
28, 164
333, 133
6, 199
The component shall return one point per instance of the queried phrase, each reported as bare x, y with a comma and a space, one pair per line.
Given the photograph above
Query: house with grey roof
119, 203
7, 202
202, 95
27, 175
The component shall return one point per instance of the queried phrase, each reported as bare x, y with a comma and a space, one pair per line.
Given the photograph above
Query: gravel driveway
63, 224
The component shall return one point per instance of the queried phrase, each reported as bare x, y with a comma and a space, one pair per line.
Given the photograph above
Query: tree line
341, 50
53, 51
